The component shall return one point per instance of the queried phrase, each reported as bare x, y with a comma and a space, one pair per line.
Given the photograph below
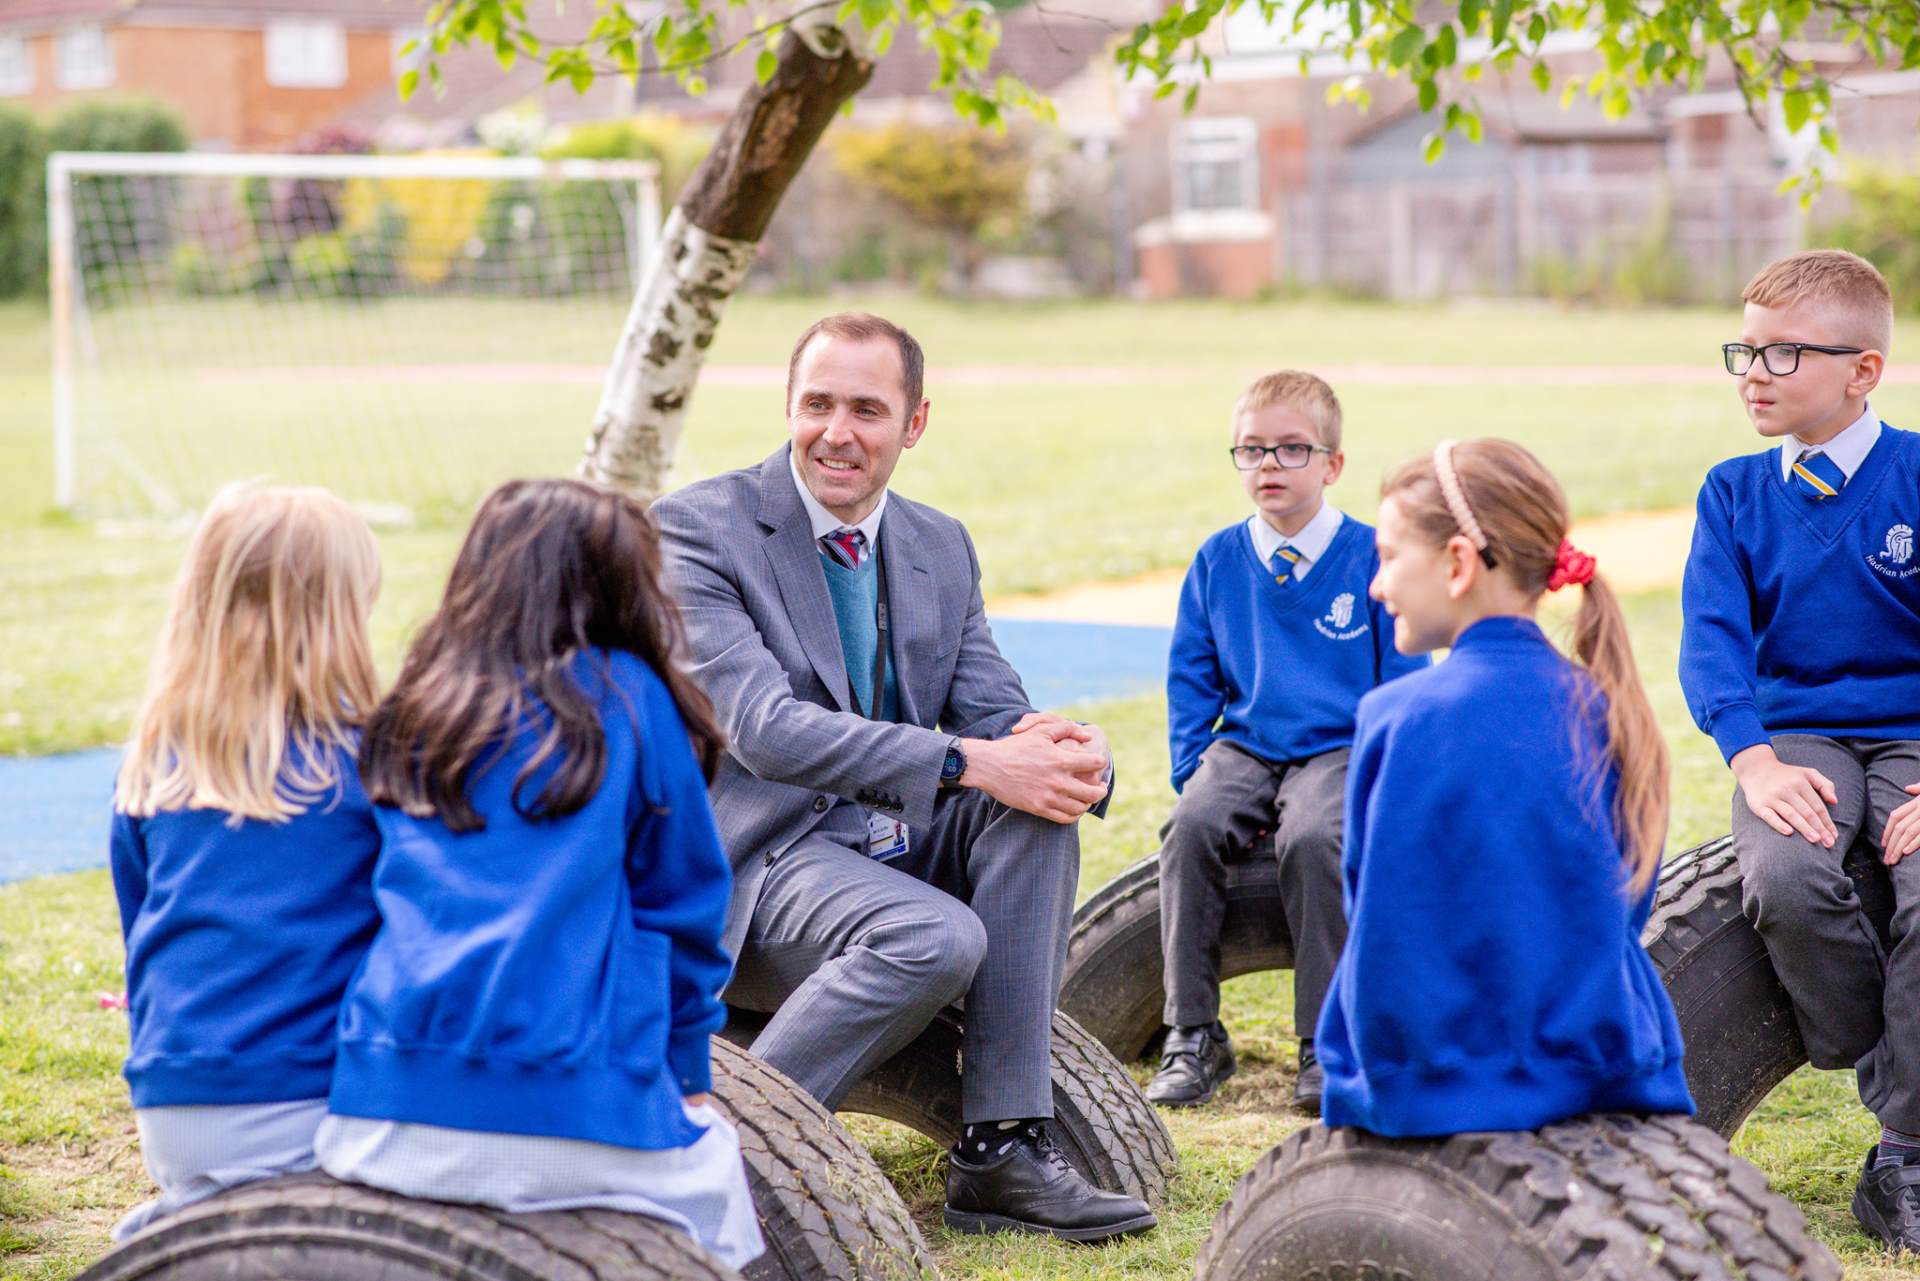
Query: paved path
53, 809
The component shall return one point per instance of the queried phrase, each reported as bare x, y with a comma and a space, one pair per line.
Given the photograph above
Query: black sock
986, 1140
1896, 1148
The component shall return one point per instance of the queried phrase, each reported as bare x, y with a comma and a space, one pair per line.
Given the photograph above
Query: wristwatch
954, 766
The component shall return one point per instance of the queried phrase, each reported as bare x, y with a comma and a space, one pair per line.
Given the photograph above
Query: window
1214, 166
82, 59
16, 67
306, 54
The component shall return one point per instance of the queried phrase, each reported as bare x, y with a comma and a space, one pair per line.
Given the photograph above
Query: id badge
886, 837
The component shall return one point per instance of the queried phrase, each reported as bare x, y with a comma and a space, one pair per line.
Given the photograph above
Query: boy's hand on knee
1902, 836
1787, 798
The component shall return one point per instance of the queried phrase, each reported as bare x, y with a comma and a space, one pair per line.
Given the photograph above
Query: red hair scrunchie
1570, 565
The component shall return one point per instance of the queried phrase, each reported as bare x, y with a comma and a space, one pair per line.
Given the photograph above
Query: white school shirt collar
1848, 450
1311, 542
825, 522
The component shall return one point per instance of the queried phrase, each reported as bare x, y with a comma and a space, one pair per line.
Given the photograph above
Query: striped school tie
1817, 476
848, 546
1284, 561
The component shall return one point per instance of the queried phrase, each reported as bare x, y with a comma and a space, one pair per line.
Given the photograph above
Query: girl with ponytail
1505, 816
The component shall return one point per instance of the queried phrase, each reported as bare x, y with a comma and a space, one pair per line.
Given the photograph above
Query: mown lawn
1103, 480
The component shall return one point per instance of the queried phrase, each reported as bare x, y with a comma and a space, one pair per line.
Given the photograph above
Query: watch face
953, 765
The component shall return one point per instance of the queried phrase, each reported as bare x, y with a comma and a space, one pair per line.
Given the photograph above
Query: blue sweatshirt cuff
691, 1058
1736, 727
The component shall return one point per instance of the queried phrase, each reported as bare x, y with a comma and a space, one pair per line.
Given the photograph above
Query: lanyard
879, 688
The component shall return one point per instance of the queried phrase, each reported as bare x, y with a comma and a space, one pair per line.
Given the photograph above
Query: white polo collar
1848, 450
825, 522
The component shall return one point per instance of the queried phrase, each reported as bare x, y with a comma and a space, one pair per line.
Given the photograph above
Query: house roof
224, 13
1512, 108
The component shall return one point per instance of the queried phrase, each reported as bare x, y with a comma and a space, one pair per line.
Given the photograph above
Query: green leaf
1406, 46
1542, 76
580, 76
1911, 57
765, 65
406, 48
1446, 45
1433, 148
875, 12
409, 81
1471, 12
1537, 28
1502, 15
1429, 95
1797, 106
1195, 23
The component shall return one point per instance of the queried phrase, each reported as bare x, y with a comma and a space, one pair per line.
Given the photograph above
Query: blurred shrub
955, 179
23, 227
1881, 223
118, 124
127, 221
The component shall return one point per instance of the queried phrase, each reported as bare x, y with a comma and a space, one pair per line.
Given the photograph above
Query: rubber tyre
1735, 1018
1611, 1197
311, 1228
1115, 975
1102, 1122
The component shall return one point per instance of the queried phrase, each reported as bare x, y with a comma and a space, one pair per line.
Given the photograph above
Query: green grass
1108, 480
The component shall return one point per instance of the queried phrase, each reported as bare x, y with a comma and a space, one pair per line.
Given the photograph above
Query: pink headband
1457, 499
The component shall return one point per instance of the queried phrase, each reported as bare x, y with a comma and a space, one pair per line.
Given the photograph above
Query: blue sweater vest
1277, 669
1804, 616
1493, 977
856, 595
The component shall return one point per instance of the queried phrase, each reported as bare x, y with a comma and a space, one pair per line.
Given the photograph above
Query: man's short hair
861, 326
1299, 390
1851, 287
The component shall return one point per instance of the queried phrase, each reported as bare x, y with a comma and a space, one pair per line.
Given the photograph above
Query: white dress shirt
825, 522
1848, 450
1311, 542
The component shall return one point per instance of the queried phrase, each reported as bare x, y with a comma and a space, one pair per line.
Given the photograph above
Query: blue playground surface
53, 809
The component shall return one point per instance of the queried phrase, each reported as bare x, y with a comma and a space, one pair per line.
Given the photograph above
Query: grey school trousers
854, 957
1857, 1004
1224, 810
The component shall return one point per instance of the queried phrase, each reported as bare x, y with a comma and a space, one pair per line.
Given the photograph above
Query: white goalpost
406, 330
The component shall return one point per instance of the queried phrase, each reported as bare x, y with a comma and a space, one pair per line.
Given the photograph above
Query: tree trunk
704, 252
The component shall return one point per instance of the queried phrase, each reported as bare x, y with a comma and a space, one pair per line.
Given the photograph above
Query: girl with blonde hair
1505, 816
243, 844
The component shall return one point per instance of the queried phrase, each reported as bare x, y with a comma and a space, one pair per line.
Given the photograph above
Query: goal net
405, 330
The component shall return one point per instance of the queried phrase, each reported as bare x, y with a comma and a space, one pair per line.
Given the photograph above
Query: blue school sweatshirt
1276, 668
555, 977
1493, 977
1801, 616
240, 942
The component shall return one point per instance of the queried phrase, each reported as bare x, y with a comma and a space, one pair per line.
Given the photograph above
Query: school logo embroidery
1340, 615
1895, 552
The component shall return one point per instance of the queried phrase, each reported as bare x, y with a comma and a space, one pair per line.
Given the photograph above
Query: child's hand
1787, 798
696, 1100
1902, 836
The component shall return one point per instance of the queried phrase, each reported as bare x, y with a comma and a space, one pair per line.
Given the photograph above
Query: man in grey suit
901, 822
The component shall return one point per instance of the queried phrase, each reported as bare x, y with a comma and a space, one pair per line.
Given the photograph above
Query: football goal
405, 330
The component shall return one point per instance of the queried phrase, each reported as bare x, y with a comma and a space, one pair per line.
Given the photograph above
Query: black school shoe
1193, 1064
1887, 1203
1310, 1083
1030, 1187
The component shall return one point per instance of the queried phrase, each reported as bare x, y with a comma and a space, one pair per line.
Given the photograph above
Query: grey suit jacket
742, 560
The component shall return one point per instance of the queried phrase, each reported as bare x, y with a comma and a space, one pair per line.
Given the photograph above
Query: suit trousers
854, 956
1857, 1003
1225, 809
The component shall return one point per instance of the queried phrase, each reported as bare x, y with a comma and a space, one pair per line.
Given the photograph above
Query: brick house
245, 74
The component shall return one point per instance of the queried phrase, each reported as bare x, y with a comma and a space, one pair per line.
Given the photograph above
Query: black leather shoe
1031, 1188
1887, 1204
1192, 1066
1310, 1083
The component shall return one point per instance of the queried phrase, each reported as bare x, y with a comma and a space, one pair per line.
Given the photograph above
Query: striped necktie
847, 546
1284, 561
1817, 476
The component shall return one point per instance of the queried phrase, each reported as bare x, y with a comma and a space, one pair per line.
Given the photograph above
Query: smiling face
1826, 393
1286, 498
1416, 581
849, 421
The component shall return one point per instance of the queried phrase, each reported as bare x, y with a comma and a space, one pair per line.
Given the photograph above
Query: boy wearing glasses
1800, 655
1275, 642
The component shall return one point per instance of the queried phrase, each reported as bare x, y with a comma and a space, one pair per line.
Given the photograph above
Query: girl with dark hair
530, 1027
1505, 814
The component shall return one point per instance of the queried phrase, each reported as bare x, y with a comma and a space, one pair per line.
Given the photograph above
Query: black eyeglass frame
1233, 452
1729, 351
